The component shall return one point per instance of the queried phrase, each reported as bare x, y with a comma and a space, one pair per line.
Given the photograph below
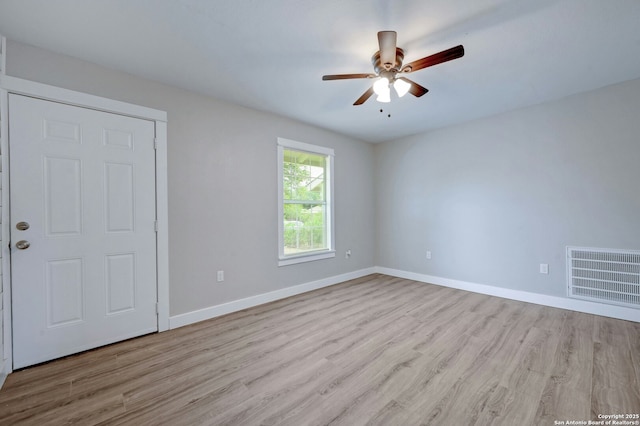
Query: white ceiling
271, 55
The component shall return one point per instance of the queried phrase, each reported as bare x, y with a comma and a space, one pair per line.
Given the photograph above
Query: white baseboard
612, 311
602, 309
260, 299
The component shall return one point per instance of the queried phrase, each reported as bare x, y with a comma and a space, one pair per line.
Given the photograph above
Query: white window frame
328, 252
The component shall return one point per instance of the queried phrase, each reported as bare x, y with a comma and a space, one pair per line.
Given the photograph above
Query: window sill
308, 257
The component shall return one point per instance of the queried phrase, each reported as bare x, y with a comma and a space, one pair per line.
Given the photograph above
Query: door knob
22, 226
22, 245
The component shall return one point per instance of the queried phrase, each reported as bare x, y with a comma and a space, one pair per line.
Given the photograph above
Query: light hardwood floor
377, 350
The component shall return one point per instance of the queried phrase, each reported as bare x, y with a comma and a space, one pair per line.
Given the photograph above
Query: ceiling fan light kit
401, 87
381, 88
384, 97
387, 64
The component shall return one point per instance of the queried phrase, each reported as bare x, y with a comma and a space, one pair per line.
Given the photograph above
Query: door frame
20, 86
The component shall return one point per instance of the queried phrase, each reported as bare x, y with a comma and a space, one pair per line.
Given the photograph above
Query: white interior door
84, 271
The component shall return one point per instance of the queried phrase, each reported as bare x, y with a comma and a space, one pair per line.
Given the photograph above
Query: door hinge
155, 143
155, 225
157, 308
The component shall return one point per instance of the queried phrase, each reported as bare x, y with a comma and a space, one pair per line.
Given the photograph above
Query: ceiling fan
387, 64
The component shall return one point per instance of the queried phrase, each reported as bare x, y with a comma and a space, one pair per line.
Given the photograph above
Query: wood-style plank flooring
377, 350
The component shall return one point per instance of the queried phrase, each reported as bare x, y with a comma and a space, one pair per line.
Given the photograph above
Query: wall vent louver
603, 275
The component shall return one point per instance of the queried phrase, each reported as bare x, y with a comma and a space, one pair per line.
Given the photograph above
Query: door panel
84, 181
119, 196
64, 287
62, 197
120, 274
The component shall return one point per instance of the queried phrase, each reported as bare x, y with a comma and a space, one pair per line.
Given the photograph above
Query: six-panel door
83, 183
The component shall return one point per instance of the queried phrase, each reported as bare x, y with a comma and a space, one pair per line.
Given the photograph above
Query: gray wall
494, 198
223, 184
491, 199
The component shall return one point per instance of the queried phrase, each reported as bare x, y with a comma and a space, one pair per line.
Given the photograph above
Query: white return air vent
602, 275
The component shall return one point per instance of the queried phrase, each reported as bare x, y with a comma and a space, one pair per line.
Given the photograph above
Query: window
305, 190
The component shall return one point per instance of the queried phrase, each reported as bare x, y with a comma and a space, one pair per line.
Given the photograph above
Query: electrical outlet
220, 276
347, 254
544, 268
428, 254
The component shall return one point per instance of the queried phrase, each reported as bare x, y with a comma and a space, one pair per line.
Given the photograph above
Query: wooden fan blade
346, 76
435, 59
387, 42
415, 89
366, 95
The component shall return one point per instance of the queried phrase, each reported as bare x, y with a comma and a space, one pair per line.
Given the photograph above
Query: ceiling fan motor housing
379, 67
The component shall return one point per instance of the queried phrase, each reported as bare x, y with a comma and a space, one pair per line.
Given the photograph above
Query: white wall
223, 184
494, 198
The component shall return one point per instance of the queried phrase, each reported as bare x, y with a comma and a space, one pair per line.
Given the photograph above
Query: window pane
304, 228
304, 175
